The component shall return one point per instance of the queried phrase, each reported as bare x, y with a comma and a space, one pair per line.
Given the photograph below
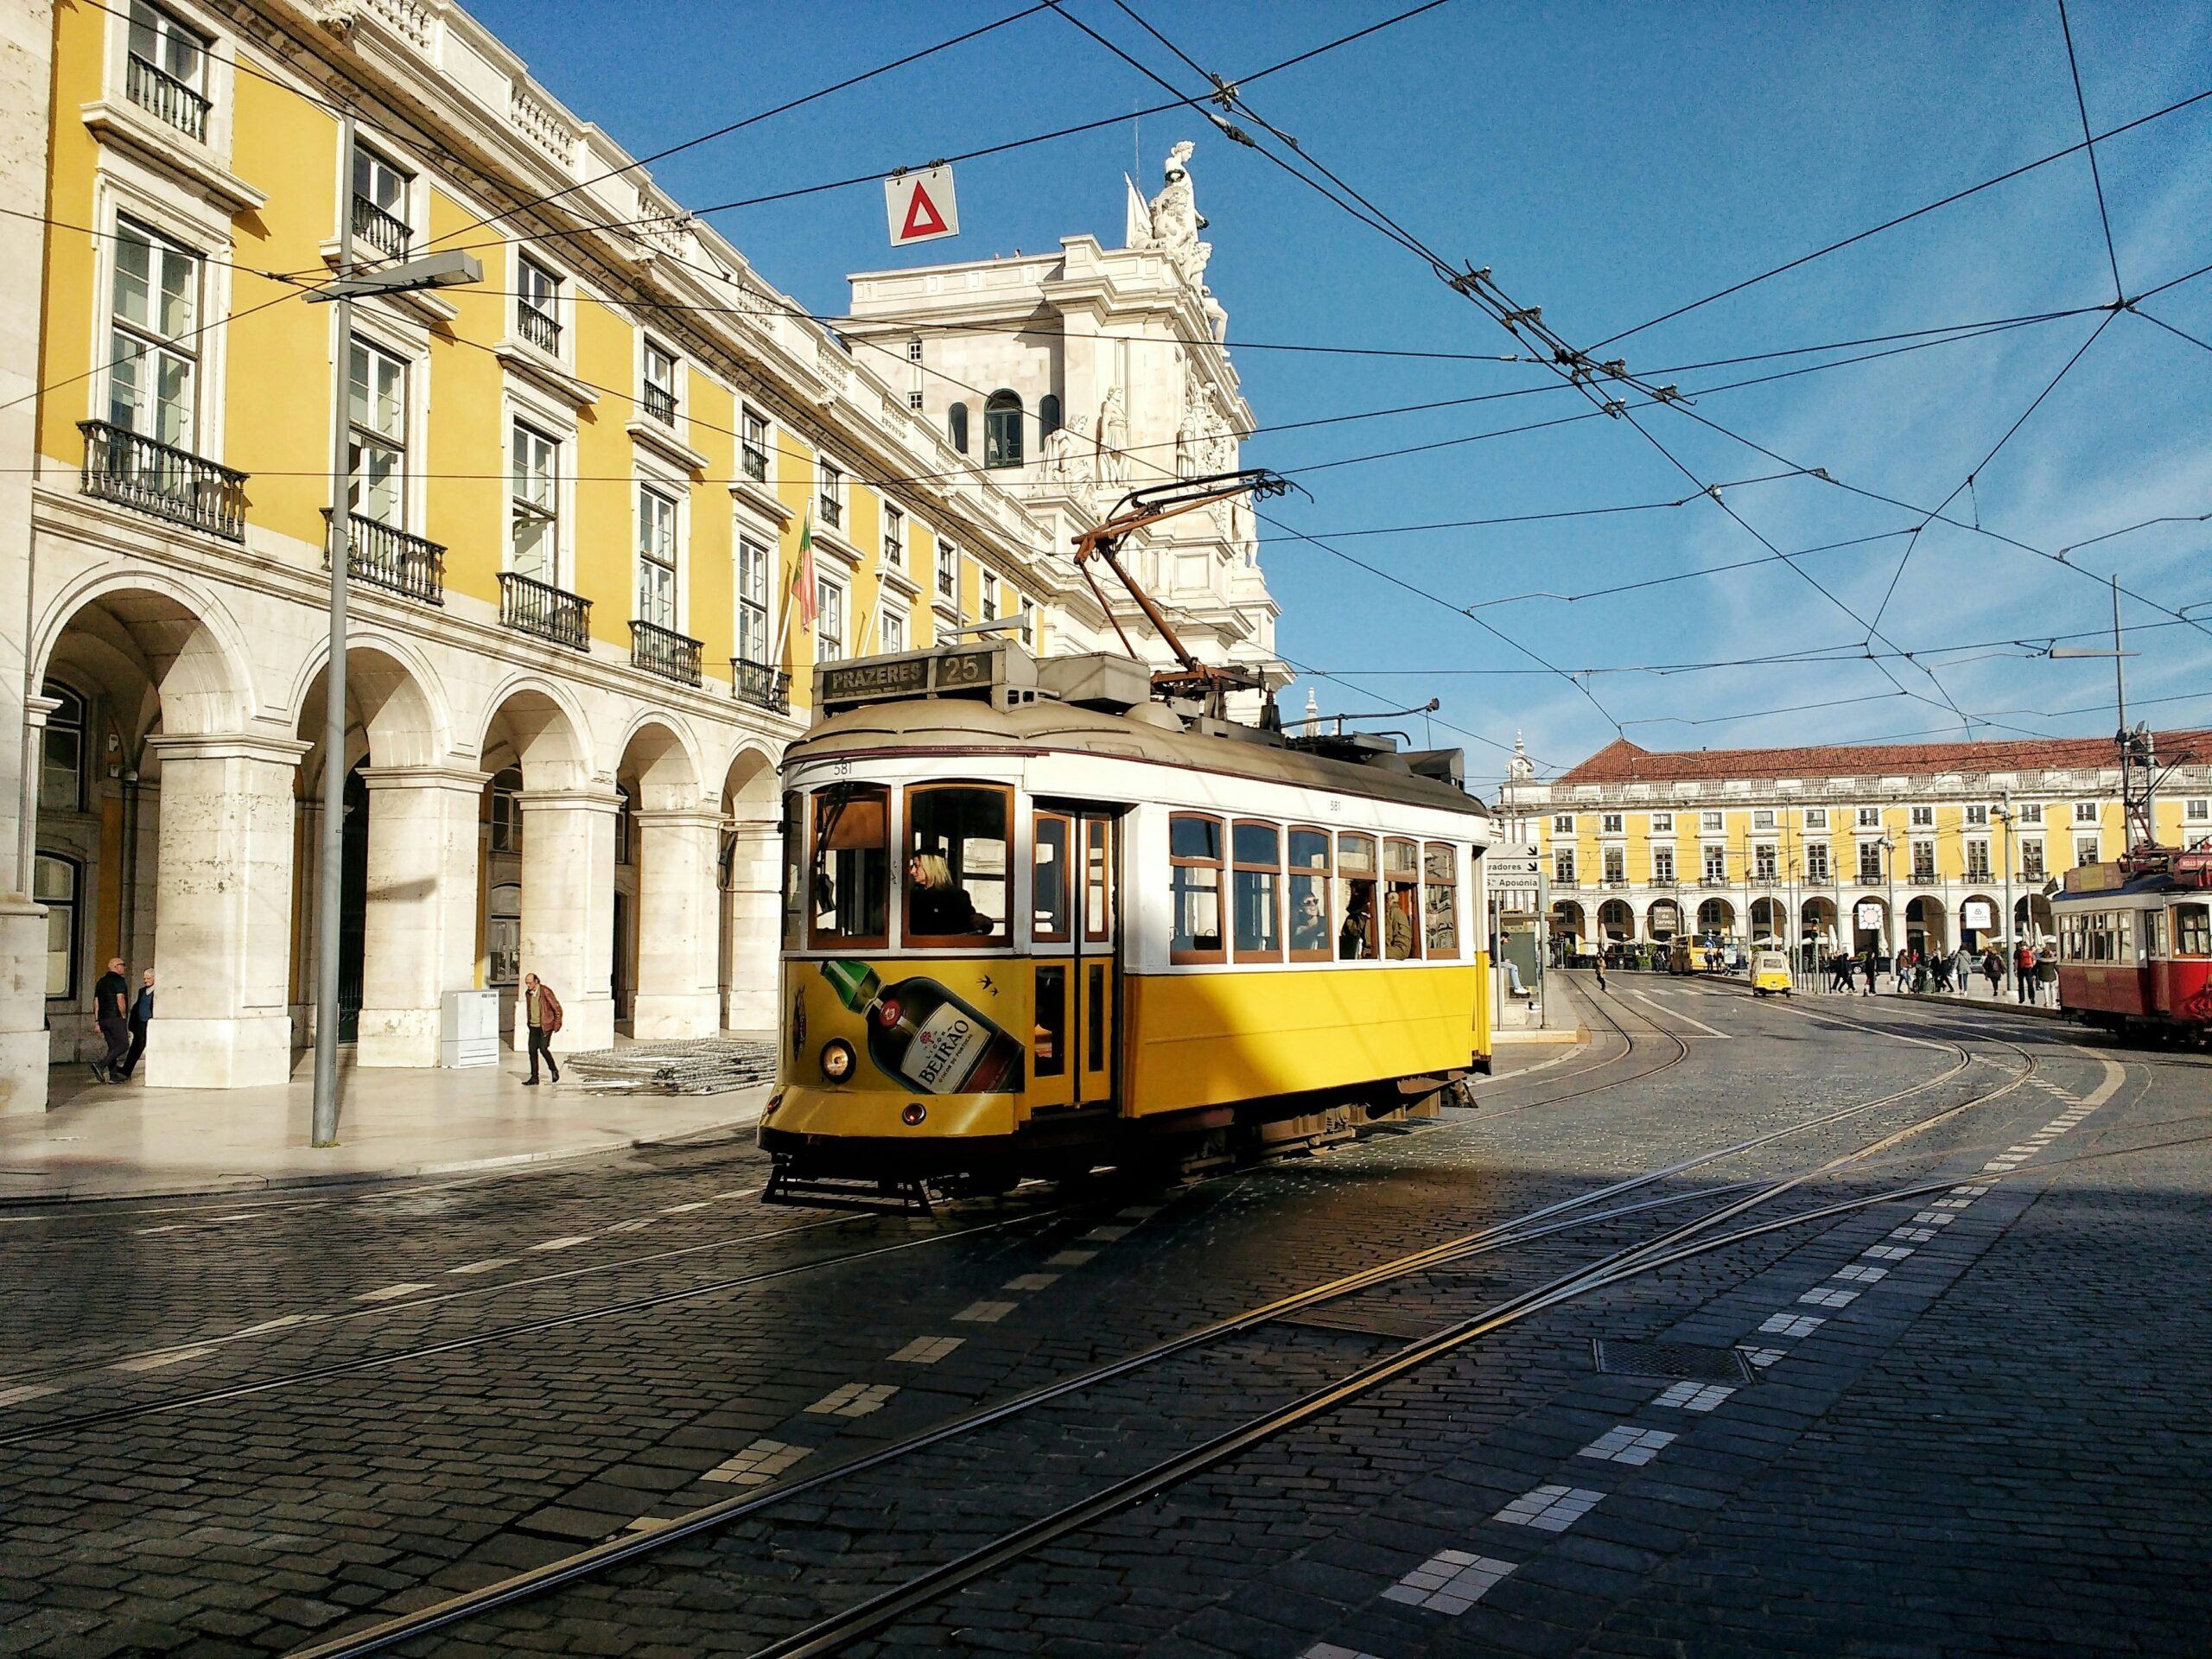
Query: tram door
1074, 940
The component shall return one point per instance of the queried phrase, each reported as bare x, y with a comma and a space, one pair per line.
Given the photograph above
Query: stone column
754, 903
419, 934
568, 910
222, 930
679, 929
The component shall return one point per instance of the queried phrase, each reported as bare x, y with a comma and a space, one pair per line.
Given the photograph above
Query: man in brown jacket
542, 1010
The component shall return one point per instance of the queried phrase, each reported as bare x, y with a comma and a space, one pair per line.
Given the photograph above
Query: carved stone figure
1058, 463
1176, 221
1113, 439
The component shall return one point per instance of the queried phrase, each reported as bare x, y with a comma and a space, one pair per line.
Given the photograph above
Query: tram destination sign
882, 679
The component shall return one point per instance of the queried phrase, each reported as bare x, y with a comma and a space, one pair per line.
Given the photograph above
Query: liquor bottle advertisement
935, 1027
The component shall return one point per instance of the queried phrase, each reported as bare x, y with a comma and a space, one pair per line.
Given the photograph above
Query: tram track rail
1628, 1048
1577, 1210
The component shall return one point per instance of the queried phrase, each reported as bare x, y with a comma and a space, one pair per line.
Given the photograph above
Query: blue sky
1607, 164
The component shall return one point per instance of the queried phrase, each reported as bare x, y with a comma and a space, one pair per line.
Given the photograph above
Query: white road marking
985, 1312
1450, 1581
1031, 1280
289, 1320
1791, 1325
22, 1391
1763, 1358
1695, 1396
853, 1400
1686, 1018
1886, 1252
1549, 1508
633, 1225
758, 1465
681, 1209
485, 1266
390, 1292
565, 1243
1627, 1444
156, 1362
1108, 1234
927, 1350
1071, 1258
1862, 1275
1822, 1296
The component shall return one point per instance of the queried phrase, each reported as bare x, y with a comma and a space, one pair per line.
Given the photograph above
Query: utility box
470, 1034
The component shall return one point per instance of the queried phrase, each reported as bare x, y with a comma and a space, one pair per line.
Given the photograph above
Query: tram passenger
1356, 938
1309, 927
937, 905
1397, 927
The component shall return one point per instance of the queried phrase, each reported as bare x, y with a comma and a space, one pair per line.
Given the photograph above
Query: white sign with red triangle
920, 206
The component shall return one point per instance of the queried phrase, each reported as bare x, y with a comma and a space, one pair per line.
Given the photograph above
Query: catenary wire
2089, 148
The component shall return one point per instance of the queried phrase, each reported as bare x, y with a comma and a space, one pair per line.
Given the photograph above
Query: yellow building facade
1840, 847
607, 506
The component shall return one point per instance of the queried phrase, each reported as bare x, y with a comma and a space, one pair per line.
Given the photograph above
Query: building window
987, 589
1616, 868
167, 71
751, 600
1869, 861
1609, 823
1563, 823
1713, 822
1003, 430
660, 400
506, 811
891, 632
376, 404
1662, 824
61, 753
537, 305
380, 203
1563, 867
1978, 816
1923, 860
1870, 818
956, 427
1762, 817
948, 570
534, 544
914, 374
1977, 860
1762, 863
831, 496
1923, 817
829, 623
1048, 415
503, 935
1716, 864
753, 447
2031, 861
154, 366
54, 884
1662, 866
2196, 812
2030, 812
1029, 629
656, 558
1816, 817
895, 537
1816, 861
2085, 850
2085, 812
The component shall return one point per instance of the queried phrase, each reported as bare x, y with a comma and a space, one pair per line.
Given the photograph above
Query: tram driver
937, 905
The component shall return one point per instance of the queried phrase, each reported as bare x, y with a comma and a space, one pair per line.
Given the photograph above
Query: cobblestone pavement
1972, 1421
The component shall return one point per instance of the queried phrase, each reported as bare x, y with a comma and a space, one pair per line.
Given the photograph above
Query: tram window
1440, 897
850, 881
1309, 896
1097, 894
1048, 866
2154, 932
2193, 929
1194, 888
957, 864
1256, 891
793, 829
1048, 1042
1356, 897
1400, 899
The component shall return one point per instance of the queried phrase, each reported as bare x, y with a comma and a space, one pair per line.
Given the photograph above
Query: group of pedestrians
121, 1020
1948, 973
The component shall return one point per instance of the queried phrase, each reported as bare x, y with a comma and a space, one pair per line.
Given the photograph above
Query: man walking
1992, 969
142, 1015
111, 1018
542, 1010
1872, 964
2024, 969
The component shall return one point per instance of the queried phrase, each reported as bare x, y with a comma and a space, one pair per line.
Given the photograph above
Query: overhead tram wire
1905, 217
2090, 145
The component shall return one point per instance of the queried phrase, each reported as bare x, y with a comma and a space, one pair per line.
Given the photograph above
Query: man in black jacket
112, 1017
142, 1015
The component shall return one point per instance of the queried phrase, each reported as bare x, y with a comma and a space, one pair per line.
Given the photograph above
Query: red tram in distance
2135, 943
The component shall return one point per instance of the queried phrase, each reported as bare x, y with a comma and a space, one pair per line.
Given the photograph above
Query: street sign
1868, 913
920, 206
1505, 870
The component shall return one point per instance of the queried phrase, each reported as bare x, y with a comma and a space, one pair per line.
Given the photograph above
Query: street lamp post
1889, 920
433, 270
2005, 815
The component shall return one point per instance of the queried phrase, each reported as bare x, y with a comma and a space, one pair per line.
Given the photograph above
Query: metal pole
330, 894
2005, 811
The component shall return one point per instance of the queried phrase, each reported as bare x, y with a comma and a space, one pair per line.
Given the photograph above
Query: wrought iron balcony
1666, 881
386, 232
154, 89
124, 466
755, 460
531, 606
659, 402
1720, 882
538, 328
1617, 881
664, 652
832, 510
391, 559
760, 685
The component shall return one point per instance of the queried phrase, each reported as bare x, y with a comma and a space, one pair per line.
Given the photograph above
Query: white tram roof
923, 726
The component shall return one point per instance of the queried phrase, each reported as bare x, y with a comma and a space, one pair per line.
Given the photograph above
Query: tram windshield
2193, 929
851, 878
957, 864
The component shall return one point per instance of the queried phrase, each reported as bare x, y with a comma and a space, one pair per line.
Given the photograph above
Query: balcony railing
391, 559
1666, 881
1715, 881
760, 685
531, 606
123, 465
153, 88
831, 509
386, 232
539, 329
659, 402
1617, 881
664, 652
755, 460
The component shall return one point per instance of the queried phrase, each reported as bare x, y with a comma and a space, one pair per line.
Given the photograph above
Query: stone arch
1663, 920
166, 653
1616, 921
1816, 922
1927, 924
531, 723
749, 878
1567, 923
660, 757
392, 688
1716, 917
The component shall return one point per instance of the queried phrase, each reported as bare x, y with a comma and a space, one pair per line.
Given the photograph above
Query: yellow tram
1037, 919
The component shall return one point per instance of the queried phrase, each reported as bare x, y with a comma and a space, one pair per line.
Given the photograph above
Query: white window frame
894, 536
530, 272
1612, 824
521, 507
828, 619
1663, 864
1713, 824
755, 611
364, 435
1870, 818
659, 506
1762, 817
1563, 824
2031, 853
374, 167
891, 630
756, 436
1816, 817
1817, 866
650, 351
2088, 812
1977, 866
1923, 859
1977, 815
946, 590
1662, 824
1923, 817
153, 344
1028, 631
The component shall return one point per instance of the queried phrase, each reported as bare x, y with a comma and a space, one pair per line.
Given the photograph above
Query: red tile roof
1622, 762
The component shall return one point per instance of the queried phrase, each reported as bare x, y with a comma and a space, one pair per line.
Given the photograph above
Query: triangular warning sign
922, 217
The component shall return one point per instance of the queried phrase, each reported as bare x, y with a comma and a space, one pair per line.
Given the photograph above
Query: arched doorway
1770, 923
1816, 924
1615, 921
1979, 919
1716, 918
2032, 919
750, 877
673, 981
1663, 921
1925, 926
1869, 925
1568, 930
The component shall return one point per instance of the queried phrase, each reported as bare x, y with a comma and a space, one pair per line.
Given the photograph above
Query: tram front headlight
913, 1113
837, 1059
